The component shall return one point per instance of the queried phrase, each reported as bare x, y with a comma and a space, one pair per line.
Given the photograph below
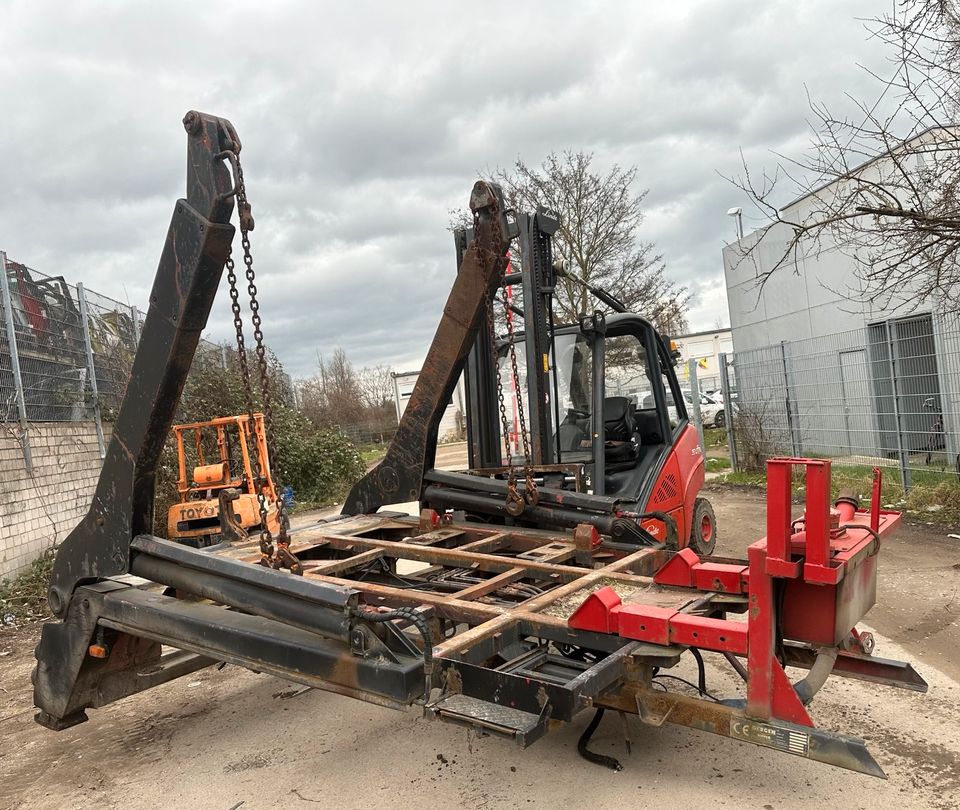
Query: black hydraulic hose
412, 616
741, 670
871, 532
701, 671
591, 756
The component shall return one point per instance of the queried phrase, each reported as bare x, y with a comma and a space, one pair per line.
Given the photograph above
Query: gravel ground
231, 739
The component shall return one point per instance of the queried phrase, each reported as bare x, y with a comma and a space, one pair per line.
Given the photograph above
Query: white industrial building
705, 348
453, 423
835, 373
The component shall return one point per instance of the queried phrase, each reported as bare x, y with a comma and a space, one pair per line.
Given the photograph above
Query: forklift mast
537, 281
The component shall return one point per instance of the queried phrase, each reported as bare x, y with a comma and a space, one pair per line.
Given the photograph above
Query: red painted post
818, 512
778, 508
875, 499
760, 633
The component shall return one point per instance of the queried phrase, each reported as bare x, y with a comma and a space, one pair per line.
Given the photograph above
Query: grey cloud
363, 123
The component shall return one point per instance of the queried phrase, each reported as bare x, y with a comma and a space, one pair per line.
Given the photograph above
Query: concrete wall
816, 289
808, 297
39, 510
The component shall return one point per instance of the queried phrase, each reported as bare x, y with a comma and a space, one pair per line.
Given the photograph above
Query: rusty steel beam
447, 606
464, 640
656, 708
399, 476
646, 560
344, 566
492, 584
494, 542
455, 557
196, 248
441, 557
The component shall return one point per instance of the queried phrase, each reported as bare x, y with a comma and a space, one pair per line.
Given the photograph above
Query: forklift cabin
606, 365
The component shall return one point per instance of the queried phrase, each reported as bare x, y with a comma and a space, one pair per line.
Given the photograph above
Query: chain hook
270, 556
515, 502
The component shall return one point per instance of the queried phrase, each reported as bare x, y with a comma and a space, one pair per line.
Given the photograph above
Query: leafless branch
882, 186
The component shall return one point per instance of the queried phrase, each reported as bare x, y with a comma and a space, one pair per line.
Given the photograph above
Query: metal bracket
648, 717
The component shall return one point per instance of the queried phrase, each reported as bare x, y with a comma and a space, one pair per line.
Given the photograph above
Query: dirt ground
231, 739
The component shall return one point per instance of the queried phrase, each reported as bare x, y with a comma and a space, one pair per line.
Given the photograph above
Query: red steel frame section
818, 551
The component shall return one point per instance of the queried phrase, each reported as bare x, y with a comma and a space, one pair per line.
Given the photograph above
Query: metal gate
857, 401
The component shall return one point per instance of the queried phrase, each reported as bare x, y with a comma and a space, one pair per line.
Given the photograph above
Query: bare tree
898, 215
310, 395
600, 218
358, 402
334, 396
376, 385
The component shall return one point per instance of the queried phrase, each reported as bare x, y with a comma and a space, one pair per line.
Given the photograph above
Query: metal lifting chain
270, 557
515, 501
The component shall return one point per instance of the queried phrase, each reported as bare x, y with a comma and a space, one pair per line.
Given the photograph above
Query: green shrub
24, 598
320, 464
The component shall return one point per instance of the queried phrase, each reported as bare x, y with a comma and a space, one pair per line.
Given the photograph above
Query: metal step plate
522, 726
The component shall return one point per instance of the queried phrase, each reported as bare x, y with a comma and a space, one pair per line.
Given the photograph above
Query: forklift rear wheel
703, 533
721, 420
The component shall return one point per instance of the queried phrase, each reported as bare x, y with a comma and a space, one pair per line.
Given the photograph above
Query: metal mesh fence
73, 349
368, 432
882, 395
114, 331
44, 315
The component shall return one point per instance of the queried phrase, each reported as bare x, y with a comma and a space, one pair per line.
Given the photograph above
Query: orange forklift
219, 503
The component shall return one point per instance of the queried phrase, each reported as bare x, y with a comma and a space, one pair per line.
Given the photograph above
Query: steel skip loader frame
504, 628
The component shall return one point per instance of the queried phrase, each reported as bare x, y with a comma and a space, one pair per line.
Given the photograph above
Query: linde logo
194, 512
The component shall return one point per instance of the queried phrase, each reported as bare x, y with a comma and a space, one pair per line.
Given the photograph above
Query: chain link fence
65, 351
368, 432
884, 395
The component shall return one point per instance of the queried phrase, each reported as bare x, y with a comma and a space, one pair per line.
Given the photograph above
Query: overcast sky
364, 123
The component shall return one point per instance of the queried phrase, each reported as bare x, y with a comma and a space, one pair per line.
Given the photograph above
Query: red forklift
583, 387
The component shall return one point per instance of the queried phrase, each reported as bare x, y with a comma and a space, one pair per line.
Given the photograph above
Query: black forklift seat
618, 419
647, 425
620, 448
625, 475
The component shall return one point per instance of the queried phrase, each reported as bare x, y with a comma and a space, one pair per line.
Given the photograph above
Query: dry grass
23, 599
